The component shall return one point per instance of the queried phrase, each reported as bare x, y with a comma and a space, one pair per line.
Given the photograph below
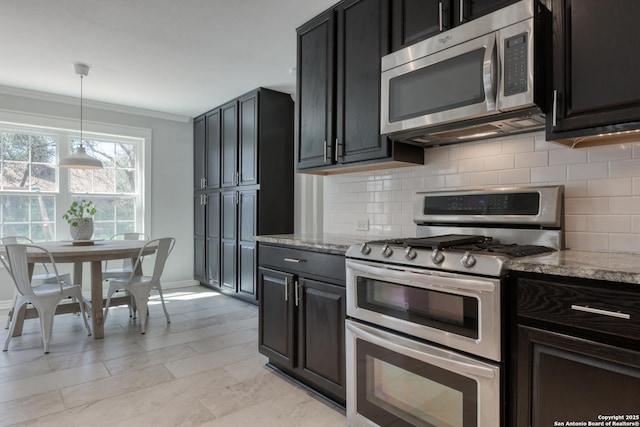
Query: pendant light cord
81, 141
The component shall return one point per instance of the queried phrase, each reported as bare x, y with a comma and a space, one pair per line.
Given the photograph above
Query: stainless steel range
425, 340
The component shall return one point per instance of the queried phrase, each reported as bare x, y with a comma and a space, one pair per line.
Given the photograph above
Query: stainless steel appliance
425, 332
482, 79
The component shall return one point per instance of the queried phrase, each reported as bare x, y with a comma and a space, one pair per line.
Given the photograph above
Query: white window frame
68, 129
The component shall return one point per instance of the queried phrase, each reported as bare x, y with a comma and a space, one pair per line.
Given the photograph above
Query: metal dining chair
36, 279
140, 286
44, 297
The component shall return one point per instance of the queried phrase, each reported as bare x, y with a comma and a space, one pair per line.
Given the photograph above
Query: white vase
84, 229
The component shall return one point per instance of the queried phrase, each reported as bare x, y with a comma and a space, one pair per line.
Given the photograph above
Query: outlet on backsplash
362, 224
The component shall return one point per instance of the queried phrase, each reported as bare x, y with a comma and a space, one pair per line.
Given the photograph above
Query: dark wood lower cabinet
577, 352
302, 318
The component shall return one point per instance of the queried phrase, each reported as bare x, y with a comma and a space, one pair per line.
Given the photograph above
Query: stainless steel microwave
482, 79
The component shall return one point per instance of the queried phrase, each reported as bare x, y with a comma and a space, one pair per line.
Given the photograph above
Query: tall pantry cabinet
243, 179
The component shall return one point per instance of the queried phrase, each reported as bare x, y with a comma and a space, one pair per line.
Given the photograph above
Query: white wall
602, 193
171, 178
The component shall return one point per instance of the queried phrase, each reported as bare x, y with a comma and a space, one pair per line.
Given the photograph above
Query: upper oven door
458, 311
456, 83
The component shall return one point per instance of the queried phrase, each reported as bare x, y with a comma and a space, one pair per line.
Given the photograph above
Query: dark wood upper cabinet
229, 142
248, 139
362, 29
415, 20
468, 10
199, 153
315, 92
338, 105
213, 150
595, 70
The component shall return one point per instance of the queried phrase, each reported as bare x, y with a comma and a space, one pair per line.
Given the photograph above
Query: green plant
79, 210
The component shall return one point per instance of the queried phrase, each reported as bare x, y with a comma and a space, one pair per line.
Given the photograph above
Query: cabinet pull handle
335, 150
286, 289
236, 197
588, 309
555, 108
440, 14
205, 199
461, 11
325, 151
296, 292
295, 260
204, 182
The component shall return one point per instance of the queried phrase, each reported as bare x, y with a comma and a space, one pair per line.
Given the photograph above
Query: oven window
394, 389
453, 83
453, 313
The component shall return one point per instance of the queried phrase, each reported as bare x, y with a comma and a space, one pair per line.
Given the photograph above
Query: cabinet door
321, 315
565, 378
228, 256
213, 238
199, 150
199, 272
594, 72
314, 92
276, 318
468, 10
415, 20
213, 150
229, 138
248, 108
247, 250
362, 40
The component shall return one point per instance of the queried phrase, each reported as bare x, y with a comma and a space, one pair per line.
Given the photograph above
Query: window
34, 193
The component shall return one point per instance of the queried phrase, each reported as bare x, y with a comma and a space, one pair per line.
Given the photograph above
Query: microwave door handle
491, 69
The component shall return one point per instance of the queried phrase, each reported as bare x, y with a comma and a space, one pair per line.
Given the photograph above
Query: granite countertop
332, 243
613, 267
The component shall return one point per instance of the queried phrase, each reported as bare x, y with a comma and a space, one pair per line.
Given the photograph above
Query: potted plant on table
80, 218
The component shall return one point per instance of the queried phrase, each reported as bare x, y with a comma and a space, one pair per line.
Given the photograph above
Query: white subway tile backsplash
609, 223
549, 174
624, 168
609, 187
602, 188
528, 160
609, 152
567, 156
587, 171
503, 161
514, 176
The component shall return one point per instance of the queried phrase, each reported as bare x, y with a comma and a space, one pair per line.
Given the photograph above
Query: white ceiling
181, 57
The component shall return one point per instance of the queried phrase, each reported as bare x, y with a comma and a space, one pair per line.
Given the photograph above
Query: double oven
425, 334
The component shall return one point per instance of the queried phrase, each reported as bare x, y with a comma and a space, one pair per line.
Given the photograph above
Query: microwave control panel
515, 64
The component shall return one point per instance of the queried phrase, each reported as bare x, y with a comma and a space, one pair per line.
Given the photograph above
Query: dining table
94, 252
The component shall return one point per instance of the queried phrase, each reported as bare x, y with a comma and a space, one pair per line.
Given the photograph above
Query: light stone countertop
612, 267
332, 243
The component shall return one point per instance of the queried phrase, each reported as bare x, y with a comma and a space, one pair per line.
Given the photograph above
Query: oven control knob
437, 257
468, 260
386, 251
410, 253
365, 249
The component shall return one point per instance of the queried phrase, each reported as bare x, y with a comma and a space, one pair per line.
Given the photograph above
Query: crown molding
44, 96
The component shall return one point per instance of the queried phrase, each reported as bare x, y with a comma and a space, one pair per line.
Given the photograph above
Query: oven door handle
447, 360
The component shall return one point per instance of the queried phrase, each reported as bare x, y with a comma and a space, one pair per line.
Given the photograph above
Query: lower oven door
396, 381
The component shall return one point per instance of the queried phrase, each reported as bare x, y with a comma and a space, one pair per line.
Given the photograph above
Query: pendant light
80, 160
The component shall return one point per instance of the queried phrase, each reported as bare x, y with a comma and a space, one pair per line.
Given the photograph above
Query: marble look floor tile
227, 340
38, 405
24, 370
55, 380
249, 368
215, 359
114, 385
149, 358
180, 413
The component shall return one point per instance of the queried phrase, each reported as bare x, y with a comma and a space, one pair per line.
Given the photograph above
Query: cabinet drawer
303, 262
598, 309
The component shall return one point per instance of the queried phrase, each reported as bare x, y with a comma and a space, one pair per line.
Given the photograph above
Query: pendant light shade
80, 160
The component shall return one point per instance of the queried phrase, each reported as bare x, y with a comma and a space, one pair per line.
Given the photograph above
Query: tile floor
202, 369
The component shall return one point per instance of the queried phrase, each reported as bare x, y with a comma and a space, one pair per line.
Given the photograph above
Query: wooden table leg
97, 305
